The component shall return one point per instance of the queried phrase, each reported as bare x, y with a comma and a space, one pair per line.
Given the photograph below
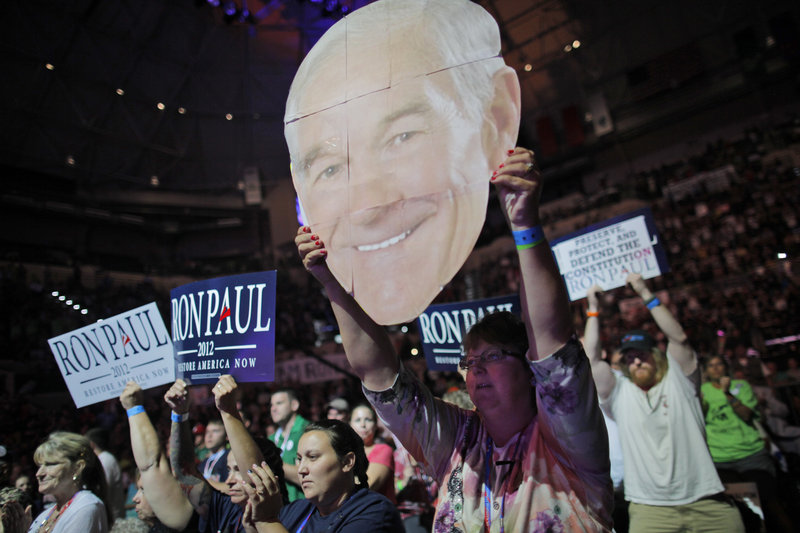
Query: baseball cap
637, 339
340, 404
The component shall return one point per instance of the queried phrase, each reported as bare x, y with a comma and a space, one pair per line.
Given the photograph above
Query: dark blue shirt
223, 516
365, 510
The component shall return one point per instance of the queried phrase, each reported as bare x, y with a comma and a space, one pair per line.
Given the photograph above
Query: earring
75, 478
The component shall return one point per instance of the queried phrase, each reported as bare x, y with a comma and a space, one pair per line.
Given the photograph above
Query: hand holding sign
225, 392
313, 254
519, 188
592, 296
131, 396
177, 397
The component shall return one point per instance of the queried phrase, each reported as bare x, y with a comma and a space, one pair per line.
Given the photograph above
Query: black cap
637, 339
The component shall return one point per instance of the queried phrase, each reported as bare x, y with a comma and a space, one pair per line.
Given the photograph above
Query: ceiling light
49, 66
182, 110
121, 92
84, 312
229, 117
76, 307
62, 298
154, 181
528, 67
576, 44
568, 48
70, 161
414, 351
160, 106
54, 293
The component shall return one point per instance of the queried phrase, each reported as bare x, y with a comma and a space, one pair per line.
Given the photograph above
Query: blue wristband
135, 410
528, 238
179, 418
653, 302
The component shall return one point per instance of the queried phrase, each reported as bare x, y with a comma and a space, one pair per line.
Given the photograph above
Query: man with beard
670, 479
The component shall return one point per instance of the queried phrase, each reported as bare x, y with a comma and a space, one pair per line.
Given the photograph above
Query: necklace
48, 524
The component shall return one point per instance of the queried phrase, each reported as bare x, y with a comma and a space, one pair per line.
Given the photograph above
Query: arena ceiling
161, 108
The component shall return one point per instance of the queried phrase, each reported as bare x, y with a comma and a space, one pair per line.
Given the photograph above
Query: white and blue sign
97, 361
442, 327
606, 253
225, 326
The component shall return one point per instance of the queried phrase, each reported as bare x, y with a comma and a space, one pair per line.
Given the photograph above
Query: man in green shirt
284, 407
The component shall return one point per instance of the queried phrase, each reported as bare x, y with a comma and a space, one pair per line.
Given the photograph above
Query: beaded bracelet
528, 238
179, 418
135, 410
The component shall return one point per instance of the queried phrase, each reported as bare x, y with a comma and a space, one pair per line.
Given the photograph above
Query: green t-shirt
288, 446
729, 437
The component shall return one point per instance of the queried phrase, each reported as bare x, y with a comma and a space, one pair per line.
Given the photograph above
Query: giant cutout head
395, 121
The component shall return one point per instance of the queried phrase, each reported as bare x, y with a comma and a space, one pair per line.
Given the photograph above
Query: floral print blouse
551, 477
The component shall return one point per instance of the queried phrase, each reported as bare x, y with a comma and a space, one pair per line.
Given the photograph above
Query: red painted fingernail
324, 252
509, 152
306, 229
314, 237
494, 178
501, 165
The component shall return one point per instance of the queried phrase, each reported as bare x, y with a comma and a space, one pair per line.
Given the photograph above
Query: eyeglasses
630, 356
469, 361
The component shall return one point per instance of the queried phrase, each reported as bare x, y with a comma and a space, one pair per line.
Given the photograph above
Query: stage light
76, 307
154, 181
414, 351
781, 255
576, 44
528, 67
228, 117
68, 302
62, 298
229, 8
120, 92
160, 106
49, 66
54, 293
84, 311
182, 110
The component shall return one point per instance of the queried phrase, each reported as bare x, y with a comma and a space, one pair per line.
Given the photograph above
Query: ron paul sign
98, 360
604, 254
225, 326
442, 327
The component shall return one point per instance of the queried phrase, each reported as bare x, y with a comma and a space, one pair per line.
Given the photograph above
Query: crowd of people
681, 385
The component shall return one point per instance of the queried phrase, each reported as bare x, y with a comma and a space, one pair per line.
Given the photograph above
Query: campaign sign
98, 360
442, 327
605, 253
225, 326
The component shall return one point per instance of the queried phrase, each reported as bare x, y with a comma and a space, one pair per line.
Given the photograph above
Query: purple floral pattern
556, 399
547, 522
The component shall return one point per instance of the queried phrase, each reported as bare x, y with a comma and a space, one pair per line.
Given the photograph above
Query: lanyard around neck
487, 485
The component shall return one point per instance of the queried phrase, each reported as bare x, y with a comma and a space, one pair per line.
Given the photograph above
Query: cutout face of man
393, 145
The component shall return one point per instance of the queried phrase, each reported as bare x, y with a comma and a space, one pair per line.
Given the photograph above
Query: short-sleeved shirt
663, 439
86, 513
215, 466
552, 476
223, 516
364, 511
288, 445
383, 454
729, 437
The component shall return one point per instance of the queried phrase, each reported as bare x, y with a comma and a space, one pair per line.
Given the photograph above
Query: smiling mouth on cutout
384, 244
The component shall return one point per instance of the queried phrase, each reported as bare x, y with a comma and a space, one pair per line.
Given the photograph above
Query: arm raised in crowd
181, 451
369, 350
545, 305
678, 343
243, 447
601, 371
162, 490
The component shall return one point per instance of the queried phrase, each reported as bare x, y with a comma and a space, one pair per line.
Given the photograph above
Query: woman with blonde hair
71, 473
